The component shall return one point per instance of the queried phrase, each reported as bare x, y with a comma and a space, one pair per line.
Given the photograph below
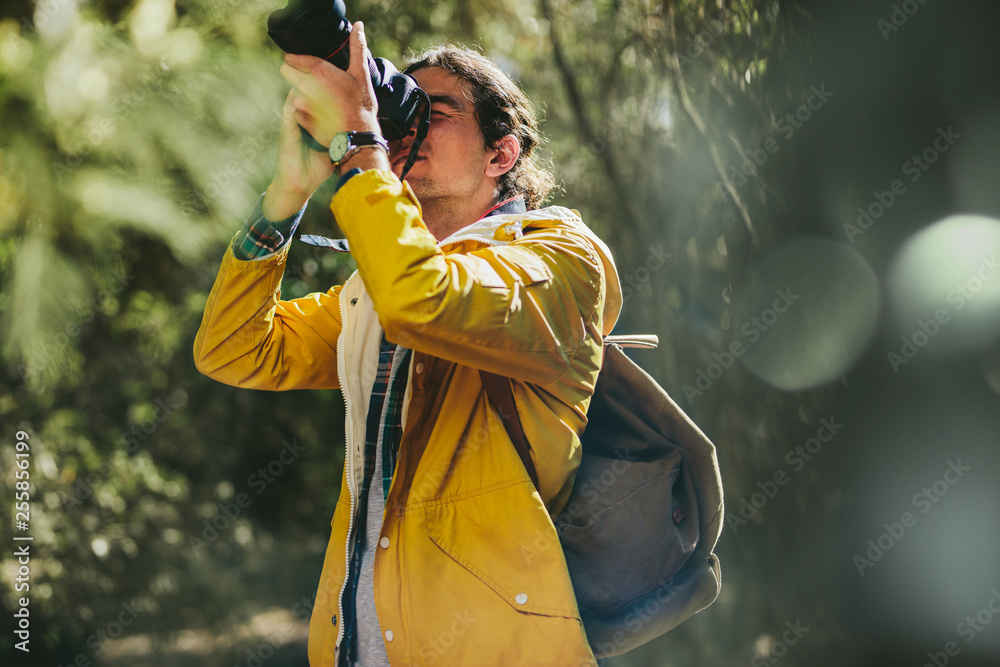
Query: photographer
442, 550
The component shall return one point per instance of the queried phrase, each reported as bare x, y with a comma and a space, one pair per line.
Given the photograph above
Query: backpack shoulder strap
502, 394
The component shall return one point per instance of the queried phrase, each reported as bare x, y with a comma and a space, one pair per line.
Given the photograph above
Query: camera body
320, 28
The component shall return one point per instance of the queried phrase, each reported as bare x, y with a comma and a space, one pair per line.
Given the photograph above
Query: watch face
339, 145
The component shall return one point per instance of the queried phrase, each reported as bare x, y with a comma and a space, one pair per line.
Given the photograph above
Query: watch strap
358, 140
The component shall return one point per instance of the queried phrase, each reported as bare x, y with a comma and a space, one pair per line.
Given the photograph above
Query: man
442, 550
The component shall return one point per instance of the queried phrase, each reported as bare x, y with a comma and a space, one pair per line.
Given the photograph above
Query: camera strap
423, 124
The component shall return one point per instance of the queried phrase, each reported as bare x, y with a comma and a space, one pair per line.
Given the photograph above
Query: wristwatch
346, 144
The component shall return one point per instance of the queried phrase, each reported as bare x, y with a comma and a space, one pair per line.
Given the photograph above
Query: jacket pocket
504, 537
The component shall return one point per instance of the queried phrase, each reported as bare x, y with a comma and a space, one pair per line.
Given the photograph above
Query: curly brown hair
501, 108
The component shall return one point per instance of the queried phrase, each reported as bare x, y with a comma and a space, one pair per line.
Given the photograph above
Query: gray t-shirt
371, 649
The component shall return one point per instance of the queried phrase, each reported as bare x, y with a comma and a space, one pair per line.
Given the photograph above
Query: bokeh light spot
949, 272
806, 313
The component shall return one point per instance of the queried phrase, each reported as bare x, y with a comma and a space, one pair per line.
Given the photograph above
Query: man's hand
324, 100
329, 100
300, 169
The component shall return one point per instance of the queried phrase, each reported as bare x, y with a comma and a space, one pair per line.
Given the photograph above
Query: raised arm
524, 309
250, 338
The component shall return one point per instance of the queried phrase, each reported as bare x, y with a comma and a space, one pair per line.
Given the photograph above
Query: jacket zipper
348, 461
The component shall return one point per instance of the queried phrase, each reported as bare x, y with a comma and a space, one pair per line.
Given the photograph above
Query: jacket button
388, 635
420, 367
521, 598
335, 620
384, 543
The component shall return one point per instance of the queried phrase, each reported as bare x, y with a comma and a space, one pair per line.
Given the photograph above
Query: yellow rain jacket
469, 570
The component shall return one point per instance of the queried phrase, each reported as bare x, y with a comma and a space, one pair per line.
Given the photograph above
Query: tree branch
680, 89
583, 123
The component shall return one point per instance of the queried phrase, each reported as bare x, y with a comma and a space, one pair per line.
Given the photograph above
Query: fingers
359, 58
292, 118
288, 111
302, 62
289, 115
327, 100
298, 78
358, 46
299, 108
296, 111
310, 76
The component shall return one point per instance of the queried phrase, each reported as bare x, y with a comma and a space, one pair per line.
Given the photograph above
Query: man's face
452, 159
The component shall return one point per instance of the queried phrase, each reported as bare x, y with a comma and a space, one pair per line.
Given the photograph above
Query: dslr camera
320, 28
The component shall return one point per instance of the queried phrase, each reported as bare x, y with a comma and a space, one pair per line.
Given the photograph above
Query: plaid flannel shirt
261, 237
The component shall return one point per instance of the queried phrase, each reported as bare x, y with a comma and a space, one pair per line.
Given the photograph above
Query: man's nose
404, 143
410, 135
400, 145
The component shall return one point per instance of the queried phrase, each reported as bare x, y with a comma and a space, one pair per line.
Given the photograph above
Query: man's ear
503, 157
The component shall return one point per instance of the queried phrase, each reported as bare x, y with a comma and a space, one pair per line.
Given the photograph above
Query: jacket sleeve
250, 338
523, 309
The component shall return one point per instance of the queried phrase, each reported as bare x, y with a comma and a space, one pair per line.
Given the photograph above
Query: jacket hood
503, 229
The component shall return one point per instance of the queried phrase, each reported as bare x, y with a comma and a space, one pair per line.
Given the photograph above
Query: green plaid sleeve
261, 237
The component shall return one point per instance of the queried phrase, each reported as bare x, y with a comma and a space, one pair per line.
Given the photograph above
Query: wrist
363, 123
368, 157
281, 202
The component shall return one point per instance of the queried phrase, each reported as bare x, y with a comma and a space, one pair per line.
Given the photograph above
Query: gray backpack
646, 509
